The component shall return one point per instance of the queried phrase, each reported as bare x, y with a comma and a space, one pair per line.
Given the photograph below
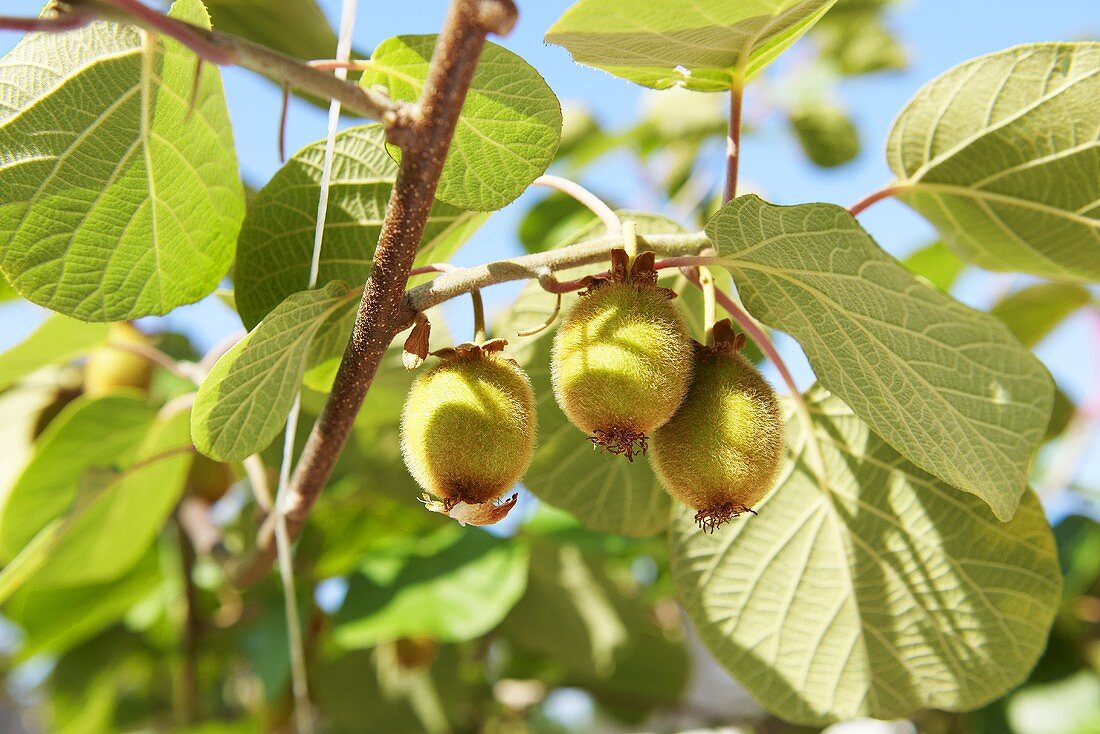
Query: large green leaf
507, 133
116, 205
243, 403
111, 520
1035, 311
601, 636
705, 45
109, 536
1002, 154
947, 386
874, 590
58, 339
454, 586
55, 620
276, 243
88, 433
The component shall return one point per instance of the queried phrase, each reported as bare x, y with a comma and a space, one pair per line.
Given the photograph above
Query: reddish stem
70, 21
733, 141
883, 193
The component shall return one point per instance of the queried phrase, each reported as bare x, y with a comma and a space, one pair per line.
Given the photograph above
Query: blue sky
937, 33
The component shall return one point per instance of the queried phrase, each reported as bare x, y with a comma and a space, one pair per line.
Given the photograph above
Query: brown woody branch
430, 127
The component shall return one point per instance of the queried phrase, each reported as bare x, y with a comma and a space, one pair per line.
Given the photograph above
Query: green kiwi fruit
720, 453
468, 427
621, 362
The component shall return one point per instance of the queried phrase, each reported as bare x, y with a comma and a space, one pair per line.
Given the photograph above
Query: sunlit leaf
507, 133
936, 263
705, 45
949, 387
874, 590
115, 205
1002, 154
89, 433
455, 586
276, 242
243, 403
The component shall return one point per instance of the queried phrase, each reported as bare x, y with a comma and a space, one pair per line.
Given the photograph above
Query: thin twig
545, 324
71, 21
538, 266
225, 49
431, 126
256, 472
152, 354
883, 193
583, 196
733, 139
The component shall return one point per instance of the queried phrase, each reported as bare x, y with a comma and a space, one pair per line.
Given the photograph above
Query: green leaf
605, 638
826, 133
297, 29
243, 403
276, 242
1002, 155
937, 264
56, 620
115, 205
88, 433
947, 386
853, 37
507, 133
1035, 311
58, 339
874, 590
454, 586
108, 536
707, 45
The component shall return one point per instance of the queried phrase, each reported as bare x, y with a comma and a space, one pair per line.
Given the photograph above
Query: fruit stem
630, 240
706, 282
479, 316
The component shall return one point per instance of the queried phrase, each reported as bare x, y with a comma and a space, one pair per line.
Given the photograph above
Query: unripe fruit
109, 369
621, 361
209, 479
468, 427
720, 453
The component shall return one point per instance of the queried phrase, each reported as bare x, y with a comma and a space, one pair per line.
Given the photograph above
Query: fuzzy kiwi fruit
720, 453
468, 427
621, 360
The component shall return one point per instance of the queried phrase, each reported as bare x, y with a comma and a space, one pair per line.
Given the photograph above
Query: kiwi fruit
109, 369
622, 357
468, 426
720, 453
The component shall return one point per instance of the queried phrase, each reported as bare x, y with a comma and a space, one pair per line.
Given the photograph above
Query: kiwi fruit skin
621, 359
723, 447
109, 369
468, 427
209, 479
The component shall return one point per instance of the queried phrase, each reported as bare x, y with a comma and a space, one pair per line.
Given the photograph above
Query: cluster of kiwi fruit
625, 371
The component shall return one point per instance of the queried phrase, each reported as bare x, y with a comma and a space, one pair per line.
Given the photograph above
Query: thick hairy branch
431, 125
225, 50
